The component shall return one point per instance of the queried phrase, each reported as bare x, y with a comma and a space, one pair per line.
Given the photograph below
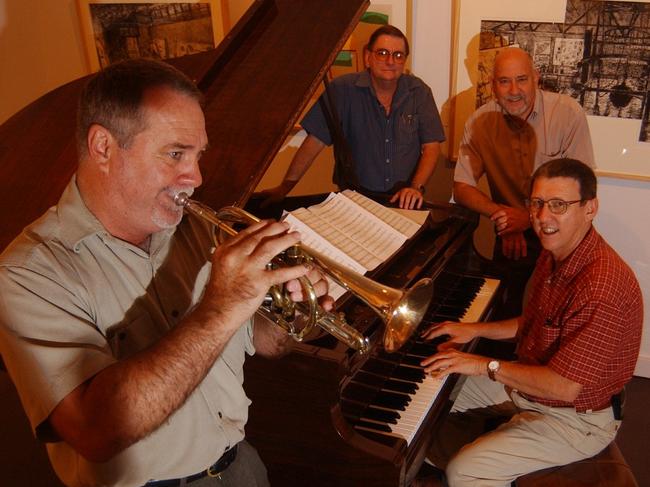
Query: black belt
213, 470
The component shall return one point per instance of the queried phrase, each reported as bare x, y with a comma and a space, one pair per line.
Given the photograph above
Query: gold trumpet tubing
374, 294
401, 310
336, 326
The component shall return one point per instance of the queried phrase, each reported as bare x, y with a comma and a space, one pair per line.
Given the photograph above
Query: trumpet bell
400, 310
406, 314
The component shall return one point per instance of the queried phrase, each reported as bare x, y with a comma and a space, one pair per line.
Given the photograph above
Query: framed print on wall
592, 50
114, 30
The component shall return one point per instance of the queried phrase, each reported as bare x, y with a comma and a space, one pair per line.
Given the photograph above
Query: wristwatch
493, 367
420, 188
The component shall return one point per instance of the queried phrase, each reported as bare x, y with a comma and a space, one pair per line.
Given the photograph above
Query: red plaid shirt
584, 321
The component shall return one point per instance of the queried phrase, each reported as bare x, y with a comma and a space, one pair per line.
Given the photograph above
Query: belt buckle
214, 474
216, 469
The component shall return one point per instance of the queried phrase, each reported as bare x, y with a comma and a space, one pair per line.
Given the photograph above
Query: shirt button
220, 415
387, 161
387, 179
387, 140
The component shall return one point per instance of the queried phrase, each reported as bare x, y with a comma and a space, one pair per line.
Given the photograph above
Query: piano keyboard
391, 395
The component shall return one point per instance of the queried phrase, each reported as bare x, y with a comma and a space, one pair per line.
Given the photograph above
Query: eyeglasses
383, 54
555, 205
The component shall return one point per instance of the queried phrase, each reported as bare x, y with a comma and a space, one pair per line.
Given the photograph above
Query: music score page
352, 229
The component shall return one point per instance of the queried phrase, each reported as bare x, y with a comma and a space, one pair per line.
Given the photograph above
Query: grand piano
325, 414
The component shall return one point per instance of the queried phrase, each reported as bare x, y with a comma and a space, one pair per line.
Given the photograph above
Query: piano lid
256, 84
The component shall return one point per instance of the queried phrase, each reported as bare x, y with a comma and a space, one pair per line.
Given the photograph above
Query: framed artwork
114, 30
592, 50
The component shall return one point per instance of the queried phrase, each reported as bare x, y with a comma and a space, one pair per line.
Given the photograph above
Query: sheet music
353, 230
371, 234
407, 226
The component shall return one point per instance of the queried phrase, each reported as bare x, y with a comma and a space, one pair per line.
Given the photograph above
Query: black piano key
394, 357
359, 392
423, 349
412, 360
392, 400
381, 415
409, 373
379, 367
401, 386
374, 426
372, 380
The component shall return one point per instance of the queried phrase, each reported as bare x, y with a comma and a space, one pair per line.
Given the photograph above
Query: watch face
493, 365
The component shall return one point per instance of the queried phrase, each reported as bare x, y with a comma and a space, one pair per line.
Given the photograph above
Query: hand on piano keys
392, 393
457, 333
454, 362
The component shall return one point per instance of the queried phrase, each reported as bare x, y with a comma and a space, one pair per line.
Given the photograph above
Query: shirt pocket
407, 128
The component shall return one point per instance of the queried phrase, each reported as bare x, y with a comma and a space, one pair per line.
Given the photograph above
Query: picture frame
617, 148
113, 30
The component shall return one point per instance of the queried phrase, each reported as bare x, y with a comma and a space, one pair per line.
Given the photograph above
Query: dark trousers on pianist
245, 470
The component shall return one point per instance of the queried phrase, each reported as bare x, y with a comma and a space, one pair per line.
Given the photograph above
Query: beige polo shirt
74, 299
508, 150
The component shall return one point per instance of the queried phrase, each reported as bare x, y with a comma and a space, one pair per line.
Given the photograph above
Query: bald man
506, 140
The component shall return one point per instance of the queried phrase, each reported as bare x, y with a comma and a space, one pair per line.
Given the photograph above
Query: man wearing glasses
389, 121
506, 140
577, 345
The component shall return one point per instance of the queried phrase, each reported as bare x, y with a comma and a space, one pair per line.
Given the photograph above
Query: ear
366, 57
101, 144
591, 209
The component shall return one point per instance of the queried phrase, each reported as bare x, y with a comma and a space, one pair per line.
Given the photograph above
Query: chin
167, 219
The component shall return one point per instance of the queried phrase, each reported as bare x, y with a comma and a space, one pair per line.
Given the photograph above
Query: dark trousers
516, 274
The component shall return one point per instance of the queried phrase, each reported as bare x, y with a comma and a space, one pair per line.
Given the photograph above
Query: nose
191, 174
390, 59
544, 212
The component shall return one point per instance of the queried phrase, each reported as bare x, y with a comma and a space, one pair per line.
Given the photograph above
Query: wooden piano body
256, 84
303, 419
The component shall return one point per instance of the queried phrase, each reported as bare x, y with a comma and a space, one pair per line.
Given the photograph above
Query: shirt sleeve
593, 335
314, 123
577, 138
469, 167
430, 126
47, 339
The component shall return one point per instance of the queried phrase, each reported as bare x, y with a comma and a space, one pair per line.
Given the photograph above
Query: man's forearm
426, 164
303, 159
472, 198
538, 380
129, 399
499, 330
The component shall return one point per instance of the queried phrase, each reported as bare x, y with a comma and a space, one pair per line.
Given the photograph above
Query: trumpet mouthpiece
181, 199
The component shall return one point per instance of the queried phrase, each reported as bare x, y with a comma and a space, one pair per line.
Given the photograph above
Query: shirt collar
405, 83
580, 257
538, 106
78, 223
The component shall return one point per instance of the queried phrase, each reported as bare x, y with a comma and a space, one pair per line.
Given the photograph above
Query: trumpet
400, 310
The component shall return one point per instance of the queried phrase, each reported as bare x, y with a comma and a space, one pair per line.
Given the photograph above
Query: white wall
624, 204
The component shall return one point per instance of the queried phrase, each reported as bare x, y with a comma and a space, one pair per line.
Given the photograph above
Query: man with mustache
506, 140
123, 328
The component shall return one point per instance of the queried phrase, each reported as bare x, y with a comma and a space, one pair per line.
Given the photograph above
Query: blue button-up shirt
385, 149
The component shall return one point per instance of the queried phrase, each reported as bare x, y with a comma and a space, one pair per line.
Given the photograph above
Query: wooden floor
23, 461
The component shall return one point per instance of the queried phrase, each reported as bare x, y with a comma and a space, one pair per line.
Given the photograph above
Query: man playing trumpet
123, 328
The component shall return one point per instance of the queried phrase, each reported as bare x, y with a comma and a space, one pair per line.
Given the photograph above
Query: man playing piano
389, 121
122, 327
506, 140
577, 345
